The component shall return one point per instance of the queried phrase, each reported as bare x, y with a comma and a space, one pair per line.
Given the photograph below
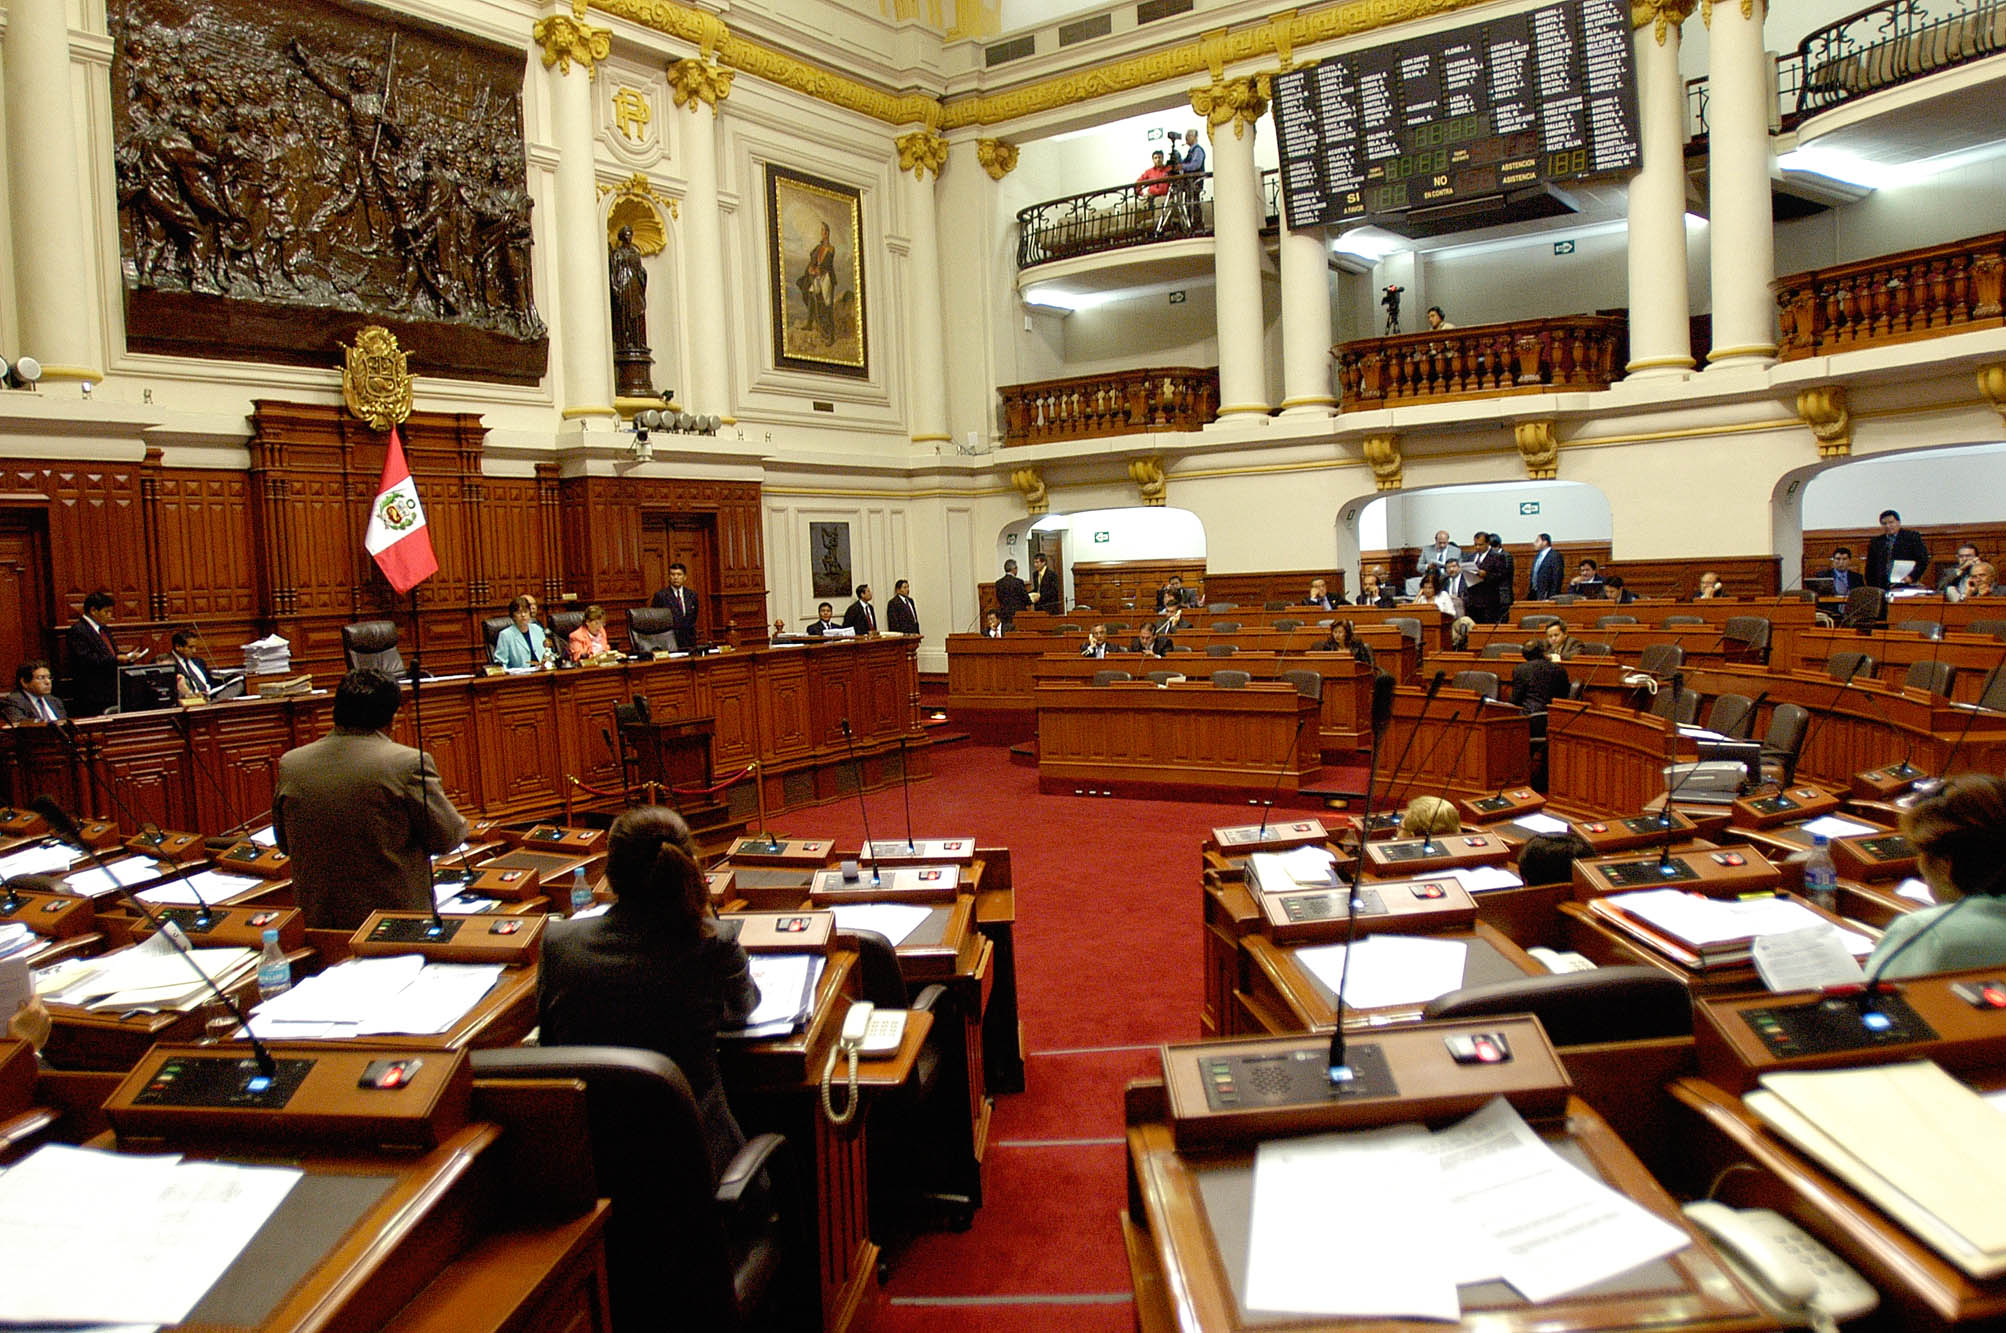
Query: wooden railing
1573, 352
1121, 402
1893, 299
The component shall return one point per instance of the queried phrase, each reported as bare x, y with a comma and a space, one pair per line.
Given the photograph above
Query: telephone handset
1795, 1278
866, 1031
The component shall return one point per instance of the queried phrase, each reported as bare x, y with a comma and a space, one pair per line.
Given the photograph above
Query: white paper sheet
1700, 920
1388, 970
213, 886
97, 881
37, 860
1807, 959
1541, 822
1298, 1262
266, 836
1478, 879
363, 997
175, 1227
894, 921
16, 988
1916, 891
787, 984
1832, 826
150, 975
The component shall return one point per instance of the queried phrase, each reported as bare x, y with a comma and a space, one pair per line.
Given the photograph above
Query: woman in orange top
589, 639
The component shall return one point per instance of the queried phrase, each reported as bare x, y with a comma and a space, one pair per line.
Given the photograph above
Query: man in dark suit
34, 696
861, 616
1319, 595
1045, 594
1895, 543
1844, 577
1011, 595
360, 815
902, 617
825, 620
1507, 578
95, 657
1546, 578
193, 678
1147, 641
992, 625
1483, 575
1096, 642
1173, 593
1537, 682
680, 601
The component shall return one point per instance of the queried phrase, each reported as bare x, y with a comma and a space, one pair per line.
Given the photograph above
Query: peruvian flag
396, 534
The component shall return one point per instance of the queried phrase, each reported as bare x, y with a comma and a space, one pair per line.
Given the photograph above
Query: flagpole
412, 669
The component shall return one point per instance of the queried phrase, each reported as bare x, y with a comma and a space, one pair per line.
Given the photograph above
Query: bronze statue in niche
627, 276
287, 173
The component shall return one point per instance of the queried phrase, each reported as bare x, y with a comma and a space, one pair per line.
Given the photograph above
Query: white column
926, 396
585, 327
1660, 313
1306, 382
1743, 238
1233, 108
700, 89
972, 210
54, 286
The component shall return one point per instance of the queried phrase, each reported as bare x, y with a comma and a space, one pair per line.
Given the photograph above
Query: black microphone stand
905, 781
863, 808
1281, 771
435, 929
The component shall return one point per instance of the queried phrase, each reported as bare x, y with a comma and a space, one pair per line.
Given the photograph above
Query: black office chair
1483, 682
1286, 625
1225, 627
1746, 638
562, 623
1929, 629
1996, 628
1594, 648
1274, 606
372, 643
1109, 675
1540, 621
1992, 692
1850, 666
1605, 622
1565, 598
1865, 608
651, 629
1781, 744
1065, 629
1224, 606
1687, 711
1087, 609
1309, 684
1661, 659
491, 628
1580, 1008
1934, 677
1118, 627
1674, 622
1409, 627
718, 1245
1221, 649
1161, 677
1731, 715
1496, 650
1228, 679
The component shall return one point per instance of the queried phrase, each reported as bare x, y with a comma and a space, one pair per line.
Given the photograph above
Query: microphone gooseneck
863, 807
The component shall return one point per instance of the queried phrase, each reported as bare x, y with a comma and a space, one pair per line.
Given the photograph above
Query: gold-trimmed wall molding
1666, 14
700, 82
998, 157
1383, 453
1032, 487
1992, 383
637, 204
1539, 447
1706, 11
1279, 36
922, 151
1824, 409
1147, 474
565, 40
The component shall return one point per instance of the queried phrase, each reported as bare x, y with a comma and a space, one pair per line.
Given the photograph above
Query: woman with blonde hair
1427, 816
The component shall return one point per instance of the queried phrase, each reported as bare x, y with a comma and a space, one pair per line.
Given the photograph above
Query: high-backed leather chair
713, 1249
1932, 676
1748, 637
491, 628
1109, 675
1225, 627
1221, 649
1674, 622
1731, 715
1604, 622
1865, 607
1850, 666
561, 625
1594, 648
651, 629
1540, 621
1483, 682
1785, 738
1308, 683
1286, 625
1161, 677
1227, 678
1496, 650
1581, 1008
1992, 692
1929, 629
372, 643
1661, 659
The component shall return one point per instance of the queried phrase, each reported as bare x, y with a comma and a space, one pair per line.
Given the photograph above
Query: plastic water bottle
1821, 880
275, 974
581, 892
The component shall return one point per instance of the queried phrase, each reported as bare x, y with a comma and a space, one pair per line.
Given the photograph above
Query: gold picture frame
815, 257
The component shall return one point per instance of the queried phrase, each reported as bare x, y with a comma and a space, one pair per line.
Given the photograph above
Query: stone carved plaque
290, 172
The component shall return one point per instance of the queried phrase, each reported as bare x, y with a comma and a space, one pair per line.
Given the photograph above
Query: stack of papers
1476, 879
1541, 822
1914, 1140
368, 997
1480, 1201
214, 886
1832, 826
1703, 932
47, 857
1389, 970
103, 881
894, 921
269, 656
1310, 867
150, 977
786, 984
15, 937
175, 1226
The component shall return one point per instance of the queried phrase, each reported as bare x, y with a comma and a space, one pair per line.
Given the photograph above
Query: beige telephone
866, 1031
1795, 1278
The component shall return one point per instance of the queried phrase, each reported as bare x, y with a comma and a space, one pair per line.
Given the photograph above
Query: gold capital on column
1824, 409
564, 40
1031, 486
1150, 483
922, 151
1992, 383
1706, 11
1666, 14
1235, 102
1538, 447
698, 82
998, 157
1383, 453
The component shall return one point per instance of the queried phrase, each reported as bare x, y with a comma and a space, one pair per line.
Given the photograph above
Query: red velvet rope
714, 789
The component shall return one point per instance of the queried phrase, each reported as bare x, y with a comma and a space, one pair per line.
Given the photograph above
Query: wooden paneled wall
278, 547
1942, 539
1744, 575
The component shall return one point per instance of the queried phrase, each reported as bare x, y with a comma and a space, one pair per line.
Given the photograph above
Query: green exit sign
1100, 539
1563, 247
1527, 508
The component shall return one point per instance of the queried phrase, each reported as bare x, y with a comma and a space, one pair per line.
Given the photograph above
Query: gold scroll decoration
1383, 453
1147, 474
376, 378
998, 157
922, 151
1538, 447
1824, 409
1032, 487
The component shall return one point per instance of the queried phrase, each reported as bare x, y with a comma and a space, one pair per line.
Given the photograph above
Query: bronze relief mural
290, 172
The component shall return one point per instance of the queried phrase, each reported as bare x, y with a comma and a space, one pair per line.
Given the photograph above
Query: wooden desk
1463, 745
1282, 996
1191, 735
1895, 651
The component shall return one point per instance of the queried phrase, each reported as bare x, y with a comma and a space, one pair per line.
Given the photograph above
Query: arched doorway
1105, 549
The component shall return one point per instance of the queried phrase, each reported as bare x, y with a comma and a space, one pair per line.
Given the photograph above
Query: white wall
1570, 511
1942, 486
1945, 200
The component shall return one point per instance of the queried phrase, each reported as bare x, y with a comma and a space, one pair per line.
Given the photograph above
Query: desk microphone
1930, 786
66, 828
1338, 1067
1434, 688
1281, 771
1902, 772
1428, 846
905, 781
863, 808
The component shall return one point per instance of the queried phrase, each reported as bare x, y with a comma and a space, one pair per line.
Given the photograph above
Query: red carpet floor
1045, 1251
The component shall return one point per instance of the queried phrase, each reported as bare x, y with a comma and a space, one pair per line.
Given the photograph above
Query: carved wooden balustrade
1121, 402
1573, 352
1896, 298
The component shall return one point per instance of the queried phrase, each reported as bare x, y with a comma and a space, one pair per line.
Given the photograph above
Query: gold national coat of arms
375, 379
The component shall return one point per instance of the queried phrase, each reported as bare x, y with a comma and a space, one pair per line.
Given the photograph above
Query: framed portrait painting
814, 233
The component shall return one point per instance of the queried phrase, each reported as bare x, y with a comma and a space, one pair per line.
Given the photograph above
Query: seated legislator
1096, 645
1959, 836
588, 641
1174, 593
1429, 816
523, 643
1587, 580
1981, 582
1343, 638
1710, 587
360, 815
193, 678
1614, 591
1537, 682
992, 625
1560, 645
1951, 585
1844, 577
1148, 641
1548, 858
825, 620
1319, 595
33, 698
655, 971
1373, 592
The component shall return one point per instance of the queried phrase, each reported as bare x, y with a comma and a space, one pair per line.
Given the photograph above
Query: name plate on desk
782, 851
1871, 856
933, 851
513, 941
1279, 833
783, 932
1281, 1085
254, 858
54, 916
1302, 916
1504, 805
232, 927
318, 1098
557, 837
915, 884
1410, 856
1643, 830
1783, 807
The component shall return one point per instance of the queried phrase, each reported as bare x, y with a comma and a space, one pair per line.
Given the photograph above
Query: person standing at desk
1045, 593
1895, 545
656, 971
1959, 836
34, 696
1543, 581
1537, 682
95, 657
1011, 595
861, 616
360, 815
902, 615
680, 601
523, 643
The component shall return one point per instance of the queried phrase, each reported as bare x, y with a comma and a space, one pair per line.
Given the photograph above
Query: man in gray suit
360, 815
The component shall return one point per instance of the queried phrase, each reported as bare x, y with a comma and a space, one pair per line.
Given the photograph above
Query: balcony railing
1573, 353
1891, 43
1118, 216
1122, 402
1897, 298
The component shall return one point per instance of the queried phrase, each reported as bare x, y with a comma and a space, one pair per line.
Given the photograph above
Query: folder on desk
1923, 1147
1703, 932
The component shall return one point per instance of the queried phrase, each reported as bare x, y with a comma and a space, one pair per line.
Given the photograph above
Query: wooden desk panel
1601, 758
1196, 735
1465, 746
1895, 651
